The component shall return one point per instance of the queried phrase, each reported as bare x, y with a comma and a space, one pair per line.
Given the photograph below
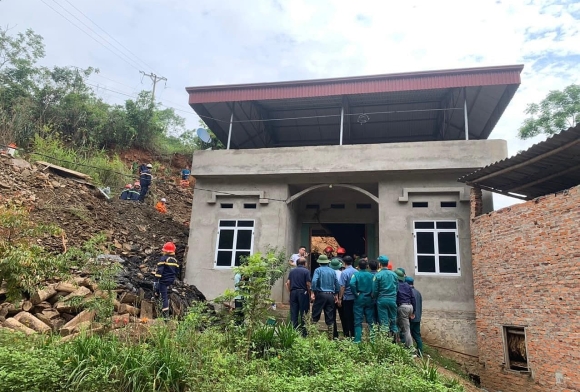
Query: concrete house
372, 161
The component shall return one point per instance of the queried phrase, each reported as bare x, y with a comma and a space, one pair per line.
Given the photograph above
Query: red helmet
169, 247
328, 249
341, 251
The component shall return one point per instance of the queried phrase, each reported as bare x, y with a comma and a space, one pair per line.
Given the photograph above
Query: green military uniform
361, 284
385, 287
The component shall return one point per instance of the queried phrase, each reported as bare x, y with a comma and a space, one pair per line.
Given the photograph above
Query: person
390, 266
346, 298
324, 293
161, 206
145, 179
135, 192
126, 194
336, 265
416, 322
340, 252
294, 258
405, 308
358, 259
374, 266
328, 251
167, 271
385, 287
361, 285
298, 285
238, 300
185, 173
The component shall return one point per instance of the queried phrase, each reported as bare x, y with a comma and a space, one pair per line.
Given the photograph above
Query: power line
155, 80
113, 38
126, 58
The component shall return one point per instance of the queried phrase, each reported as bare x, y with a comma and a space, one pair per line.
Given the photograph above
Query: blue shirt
405, 295
167, 269
324, 279
345, 282
298, 278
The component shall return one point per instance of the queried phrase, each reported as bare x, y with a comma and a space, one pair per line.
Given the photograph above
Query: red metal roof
442, 79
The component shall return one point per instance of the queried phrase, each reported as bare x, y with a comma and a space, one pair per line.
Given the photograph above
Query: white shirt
294, 259
338, 274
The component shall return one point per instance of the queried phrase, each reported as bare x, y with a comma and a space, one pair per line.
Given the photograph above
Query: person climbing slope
167, 272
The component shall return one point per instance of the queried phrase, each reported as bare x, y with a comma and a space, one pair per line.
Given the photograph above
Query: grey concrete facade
268, 178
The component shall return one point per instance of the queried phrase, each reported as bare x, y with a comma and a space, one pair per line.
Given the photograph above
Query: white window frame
236, 229
435, 230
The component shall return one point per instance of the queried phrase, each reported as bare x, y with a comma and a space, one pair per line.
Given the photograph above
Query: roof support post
465, 118
341, 122
231, 125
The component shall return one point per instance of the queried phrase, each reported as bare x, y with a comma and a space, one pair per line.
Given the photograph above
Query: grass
445, 362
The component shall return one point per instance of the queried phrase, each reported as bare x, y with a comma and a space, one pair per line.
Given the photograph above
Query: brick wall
526, 267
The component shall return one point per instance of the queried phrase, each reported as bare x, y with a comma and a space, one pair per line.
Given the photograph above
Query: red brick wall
526, 267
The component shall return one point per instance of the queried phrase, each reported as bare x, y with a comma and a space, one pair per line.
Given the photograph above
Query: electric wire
113, 38
93, 38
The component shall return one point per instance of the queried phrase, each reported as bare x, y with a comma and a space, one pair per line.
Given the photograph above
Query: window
250, 205
312, 206
420, 204
436, 248
337, 206
363, 206
235, 239
448, 204
516, 356
226, 205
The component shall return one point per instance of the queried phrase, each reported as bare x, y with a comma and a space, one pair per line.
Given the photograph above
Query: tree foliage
559, 111
58, 101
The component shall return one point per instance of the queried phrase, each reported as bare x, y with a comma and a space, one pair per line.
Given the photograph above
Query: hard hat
341, 251
163, 200
328, 249
128, 186
149, 165
169, 247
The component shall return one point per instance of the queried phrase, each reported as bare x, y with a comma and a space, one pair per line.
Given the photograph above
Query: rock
32, 322
84, 316
18, 326
127, 246
26, 173
20, 164
55, 184
119, 321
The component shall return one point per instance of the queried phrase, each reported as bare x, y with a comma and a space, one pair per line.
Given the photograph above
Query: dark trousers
163, 292
238, 311
299, 306
416, 334
347, 318
335, 328
323, 302
144, 190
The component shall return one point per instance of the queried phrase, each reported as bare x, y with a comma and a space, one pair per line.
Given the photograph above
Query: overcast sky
205, 42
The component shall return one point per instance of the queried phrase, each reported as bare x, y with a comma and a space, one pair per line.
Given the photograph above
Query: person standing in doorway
346, 298
329, 252
361, 285
324, 293
405, 308
416, 322
145, 179
298, 285
294, 258
385, 287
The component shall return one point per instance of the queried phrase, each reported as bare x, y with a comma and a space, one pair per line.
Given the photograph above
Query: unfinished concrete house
526, 269
372, 161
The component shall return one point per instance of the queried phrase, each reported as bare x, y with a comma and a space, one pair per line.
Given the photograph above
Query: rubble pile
134, 232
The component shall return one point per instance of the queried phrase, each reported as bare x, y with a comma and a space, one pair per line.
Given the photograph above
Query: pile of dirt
135, 232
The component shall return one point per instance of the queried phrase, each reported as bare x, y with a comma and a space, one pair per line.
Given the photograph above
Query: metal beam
530, 161
346, 105
267, 125
544, 179
231, 126
465, 115
341, 123
488, 188
243, 127
507, 95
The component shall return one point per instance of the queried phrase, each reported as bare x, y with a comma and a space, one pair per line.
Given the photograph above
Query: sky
207, 42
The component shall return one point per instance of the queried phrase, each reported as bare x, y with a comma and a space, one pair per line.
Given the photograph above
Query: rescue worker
416, 322
385, 287
405, 308
340, 252
167, 271
361, 285
126, 194
185, 173
161, 206
135, 192
346, 298
145, 179
324, 293
328, 251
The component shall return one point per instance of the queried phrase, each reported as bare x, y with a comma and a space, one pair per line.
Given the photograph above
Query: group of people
138, 191
358, 290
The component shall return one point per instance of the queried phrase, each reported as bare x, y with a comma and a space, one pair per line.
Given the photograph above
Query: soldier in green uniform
385, 287
361, 285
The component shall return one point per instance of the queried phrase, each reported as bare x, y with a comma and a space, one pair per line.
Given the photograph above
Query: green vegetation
557, 112
191, 356
444, 362
59, 104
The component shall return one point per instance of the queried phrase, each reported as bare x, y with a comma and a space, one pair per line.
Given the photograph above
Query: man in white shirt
294, 258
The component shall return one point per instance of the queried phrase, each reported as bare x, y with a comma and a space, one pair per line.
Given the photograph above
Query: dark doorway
351, 236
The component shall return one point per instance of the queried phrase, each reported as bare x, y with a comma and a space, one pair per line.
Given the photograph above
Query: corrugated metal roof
442, 79
547, 167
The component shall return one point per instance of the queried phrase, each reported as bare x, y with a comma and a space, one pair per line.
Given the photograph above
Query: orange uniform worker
161, 206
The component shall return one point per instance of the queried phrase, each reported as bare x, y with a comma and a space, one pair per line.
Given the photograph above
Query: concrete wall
526, 266
360, 158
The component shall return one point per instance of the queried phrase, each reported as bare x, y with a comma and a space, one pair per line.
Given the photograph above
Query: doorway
351, 236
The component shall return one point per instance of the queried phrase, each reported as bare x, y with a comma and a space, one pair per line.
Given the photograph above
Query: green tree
559, 111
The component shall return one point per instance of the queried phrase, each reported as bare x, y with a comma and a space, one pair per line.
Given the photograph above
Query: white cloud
229, 41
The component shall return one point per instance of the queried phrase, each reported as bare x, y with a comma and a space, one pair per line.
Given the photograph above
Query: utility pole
155, 79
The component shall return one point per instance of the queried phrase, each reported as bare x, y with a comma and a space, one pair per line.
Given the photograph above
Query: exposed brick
526, 272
